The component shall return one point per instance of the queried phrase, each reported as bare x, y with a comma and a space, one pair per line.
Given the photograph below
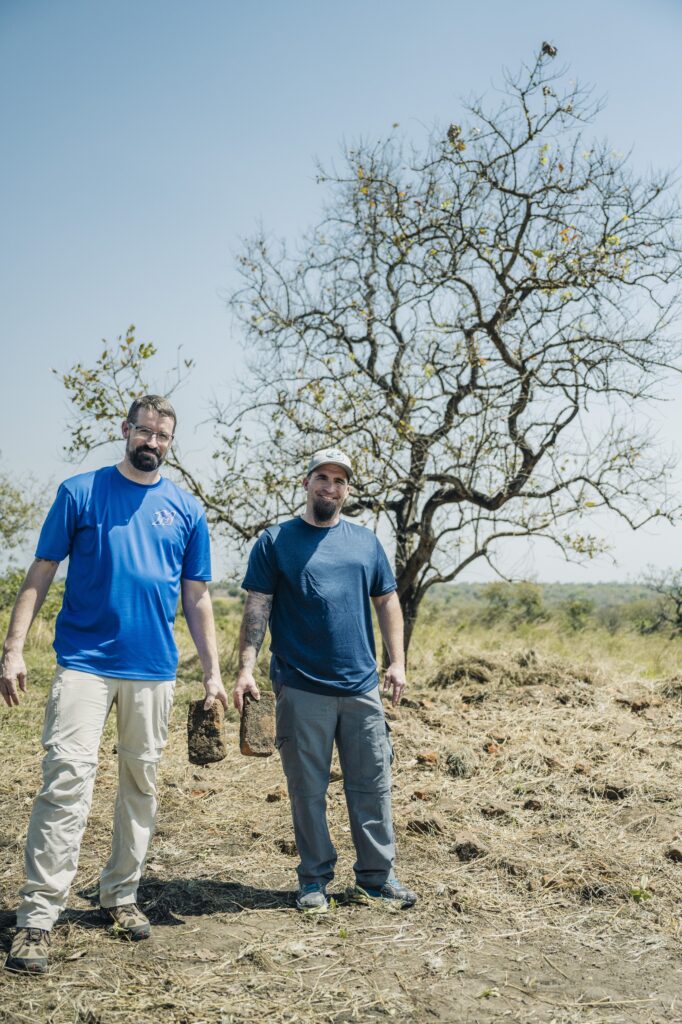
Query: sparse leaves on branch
103, 393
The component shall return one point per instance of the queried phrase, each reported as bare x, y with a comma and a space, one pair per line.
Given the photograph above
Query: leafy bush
577, 612
515, 603
10, 584
10, 581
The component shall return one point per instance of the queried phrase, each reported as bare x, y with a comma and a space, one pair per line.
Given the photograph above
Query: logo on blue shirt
163, 517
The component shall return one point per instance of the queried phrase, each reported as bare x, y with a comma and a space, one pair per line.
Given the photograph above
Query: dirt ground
536, 808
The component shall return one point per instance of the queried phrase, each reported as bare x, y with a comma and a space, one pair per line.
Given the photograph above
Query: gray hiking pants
308, 724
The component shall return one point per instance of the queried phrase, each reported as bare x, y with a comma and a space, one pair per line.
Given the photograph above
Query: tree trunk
409, 603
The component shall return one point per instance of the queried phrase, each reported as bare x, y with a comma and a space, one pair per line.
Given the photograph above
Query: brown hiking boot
129, 921
29, 951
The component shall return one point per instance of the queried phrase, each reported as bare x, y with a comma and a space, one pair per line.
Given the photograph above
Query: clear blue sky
142, 138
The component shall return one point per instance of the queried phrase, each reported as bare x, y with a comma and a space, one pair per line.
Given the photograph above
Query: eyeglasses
146, 434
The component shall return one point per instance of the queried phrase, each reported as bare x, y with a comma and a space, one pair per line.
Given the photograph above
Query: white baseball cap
335, 455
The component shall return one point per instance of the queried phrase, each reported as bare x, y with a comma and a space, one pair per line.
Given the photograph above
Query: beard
147, 460
324, 509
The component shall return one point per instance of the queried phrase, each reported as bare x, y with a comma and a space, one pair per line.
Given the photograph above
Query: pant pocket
50, 736
161, 715
170, 697
389, 741
365, 754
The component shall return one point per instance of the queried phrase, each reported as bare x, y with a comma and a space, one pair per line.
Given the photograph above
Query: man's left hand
214, 691
395, 680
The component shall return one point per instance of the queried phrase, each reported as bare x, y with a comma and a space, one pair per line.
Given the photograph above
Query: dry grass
559, 787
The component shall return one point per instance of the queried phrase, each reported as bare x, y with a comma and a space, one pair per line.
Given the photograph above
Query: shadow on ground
166, 902
169, 902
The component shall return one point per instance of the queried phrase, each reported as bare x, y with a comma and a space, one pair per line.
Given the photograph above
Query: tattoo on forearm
255, 621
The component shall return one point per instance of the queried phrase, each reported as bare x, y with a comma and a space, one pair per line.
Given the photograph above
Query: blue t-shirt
129, 545
322, 579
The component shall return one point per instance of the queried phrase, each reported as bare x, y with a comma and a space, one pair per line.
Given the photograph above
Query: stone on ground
433, 826
286, 846
468, 847
460, 765
427, 757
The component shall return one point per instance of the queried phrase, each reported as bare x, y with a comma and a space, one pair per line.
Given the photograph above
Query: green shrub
10, 581
577, 612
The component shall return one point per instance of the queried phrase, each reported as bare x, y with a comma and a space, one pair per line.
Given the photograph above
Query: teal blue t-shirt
322, 579
129, 545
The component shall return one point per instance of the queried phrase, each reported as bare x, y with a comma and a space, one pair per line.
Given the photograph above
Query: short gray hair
155, 403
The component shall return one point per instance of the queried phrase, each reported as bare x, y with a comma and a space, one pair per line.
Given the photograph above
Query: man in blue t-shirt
136, 543
315, 579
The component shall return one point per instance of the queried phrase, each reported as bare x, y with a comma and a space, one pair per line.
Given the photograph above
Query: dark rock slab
206, 739
257, 730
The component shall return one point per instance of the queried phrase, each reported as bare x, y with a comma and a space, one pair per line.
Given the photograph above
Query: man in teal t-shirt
314, 579
136, 543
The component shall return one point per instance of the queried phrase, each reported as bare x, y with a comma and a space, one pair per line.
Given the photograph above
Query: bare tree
667, 584
475, 323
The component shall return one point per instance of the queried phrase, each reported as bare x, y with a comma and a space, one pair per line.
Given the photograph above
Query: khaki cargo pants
76, 712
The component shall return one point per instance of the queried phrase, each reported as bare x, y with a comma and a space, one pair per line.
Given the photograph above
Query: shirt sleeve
261, 572
196, 563
384, 580
58, 530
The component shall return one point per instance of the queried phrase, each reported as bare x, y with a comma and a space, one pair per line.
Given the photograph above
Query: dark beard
324, 510
147, 460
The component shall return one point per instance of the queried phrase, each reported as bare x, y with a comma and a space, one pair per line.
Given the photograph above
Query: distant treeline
577, 606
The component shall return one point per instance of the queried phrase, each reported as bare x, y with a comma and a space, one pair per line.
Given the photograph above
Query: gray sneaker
312, 898
392, 892
129, 922
29, 952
